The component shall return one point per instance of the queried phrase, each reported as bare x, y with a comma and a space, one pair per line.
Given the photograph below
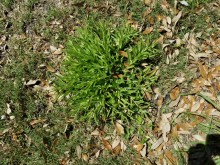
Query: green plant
106, 72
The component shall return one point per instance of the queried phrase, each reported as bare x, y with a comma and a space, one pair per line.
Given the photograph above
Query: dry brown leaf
159, 103
147, 95
195, 107
156, 144
123, 146
8, 110
148, 30
58, 51
107, 145
119, 128
203, 70
160, 40
147, 2
53, 48
32, 82
36, 121
175, 93
79, 151
85, 157
115, 142
176, 19
138, 147
50, 68
143, 152
174, 103
171, 157
123, 53
199, 138
164, 125
168, 19
97, 153
95, 132
117, 150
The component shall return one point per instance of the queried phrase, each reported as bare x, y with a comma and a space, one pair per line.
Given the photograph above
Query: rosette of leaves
106, 73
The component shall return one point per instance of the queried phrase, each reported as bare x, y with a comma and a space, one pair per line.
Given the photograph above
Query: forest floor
37, 128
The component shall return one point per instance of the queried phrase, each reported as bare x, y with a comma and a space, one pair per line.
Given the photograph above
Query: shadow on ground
202, 154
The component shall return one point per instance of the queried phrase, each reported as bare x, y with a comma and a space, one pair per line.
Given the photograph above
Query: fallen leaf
195, 107
36, 121
95, 132
32, 82
97, 153
159, 40
85, 157
53, 48
123, 53
58, 51
199, 138
147, 2
159, 103
138, 147
157, 143
164, 125
8, 110
175, 93
148, 30
174, 103
175, 20
170, 157
123, 146
79, 151
203, 70
184, 3
143, 152
115, 142
117, 149
107, 145
50, 68
119, 128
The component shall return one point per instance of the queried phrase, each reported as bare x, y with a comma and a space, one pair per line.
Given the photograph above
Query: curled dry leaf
195, 107
85, 157
95, 132
159, 103
8, 110
165, 125
175, 93
123, 146
148, 30
119, 128
32, 82
157, 143
97, 153
36, 121
123, 53
203, 70
160, 40
117, 150
138, 147
147, 2
115, 142
174, 103
79, 151
143, 152
199, 138
171, 157
58, 51
107, 145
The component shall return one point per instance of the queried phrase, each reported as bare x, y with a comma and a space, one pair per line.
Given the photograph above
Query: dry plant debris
187, 106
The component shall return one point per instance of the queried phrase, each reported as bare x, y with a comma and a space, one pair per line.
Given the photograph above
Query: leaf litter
199, 99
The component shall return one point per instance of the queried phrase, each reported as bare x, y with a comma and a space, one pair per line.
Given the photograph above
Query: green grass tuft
101, 83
